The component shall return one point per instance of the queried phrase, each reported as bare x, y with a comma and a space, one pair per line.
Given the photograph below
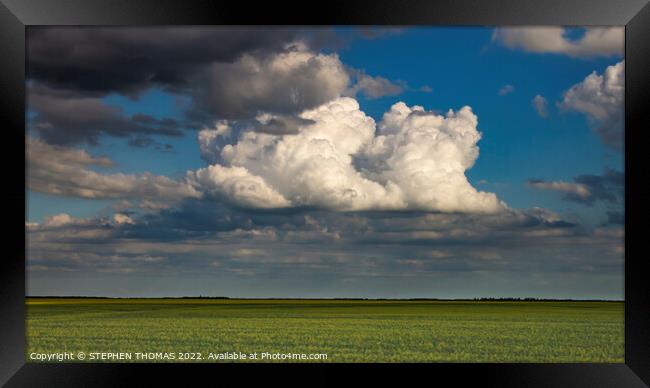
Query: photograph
325, 194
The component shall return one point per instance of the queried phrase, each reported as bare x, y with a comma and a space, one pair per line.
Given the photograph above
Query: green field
345, 330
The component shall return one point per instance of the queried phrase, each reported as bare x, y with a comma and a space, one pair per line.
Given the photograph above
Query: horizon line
519, 299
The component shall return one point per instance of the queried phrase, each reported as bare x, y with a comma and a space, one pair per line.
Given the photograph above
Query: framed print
434, 188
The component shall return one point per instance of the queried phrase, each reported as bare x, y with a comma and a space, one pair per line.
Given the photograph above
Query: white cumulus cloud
57, 220
238, 184
414, 159
121, 219
600, 98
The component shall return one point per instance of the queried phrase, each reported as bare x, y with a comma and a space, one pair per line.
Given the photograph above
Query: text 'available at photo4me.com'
173, 356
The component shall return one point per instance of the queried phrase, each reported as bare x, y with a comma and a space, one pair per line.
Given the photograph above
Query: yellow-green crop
345, 330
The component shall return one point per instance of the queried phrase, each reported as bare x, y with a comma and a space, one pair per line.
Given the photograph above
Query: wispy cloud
541, 105
66, 171
506, 89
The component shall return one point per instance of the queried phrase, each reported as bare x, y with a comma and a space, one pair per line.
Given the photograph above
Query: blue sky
464, 68
437, 68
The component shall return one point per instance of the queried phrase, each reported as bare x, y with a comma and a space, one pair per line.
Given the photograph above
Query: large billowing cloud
596, 41
338, 158
67, 171
600, 98
415, 160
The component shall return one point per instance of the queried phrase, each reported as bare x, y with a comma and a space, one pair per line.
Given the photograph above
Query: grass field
345, 330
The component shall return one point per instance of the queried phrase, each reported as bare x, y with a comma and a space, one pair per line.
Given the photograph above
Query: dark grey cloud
197, 218
228, 73
588, 188
148, 142
612, 132
281, 125
233, 73
615, 218
60, 119
608, 187
101, 60
396, 250
371, 32
285, 83
229, 245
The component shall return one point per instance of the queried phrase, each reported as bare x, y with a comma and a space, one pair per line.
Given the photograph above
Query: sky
325, 162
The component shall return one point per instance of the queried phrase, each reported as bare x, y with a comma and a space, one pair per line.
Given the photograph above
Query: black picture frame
15, 15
